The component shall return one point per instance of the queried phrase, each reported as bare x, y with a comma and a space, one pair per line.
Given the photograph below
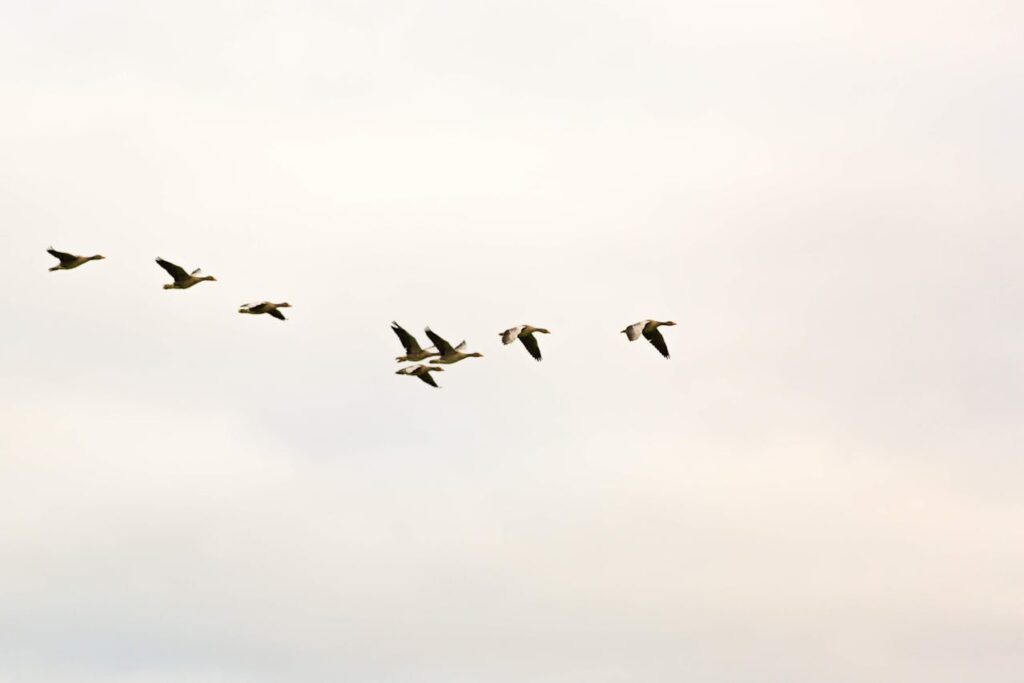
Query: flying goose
524, 333
649, 329
265, 307
413, 352
183, 280
421, 371
69, 261
448, 355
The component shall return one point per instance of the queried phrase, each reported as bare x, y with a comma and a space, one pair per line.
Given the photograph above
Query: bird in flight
265, 307
649, 330
183, 280
421, 371
449, 355
413, 352
524, 333
69, 261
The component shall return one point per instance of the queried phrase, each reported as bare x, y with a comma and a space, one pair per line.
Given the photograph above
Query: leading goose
413, 352
421, 371
448, 354
69, 261
265, 307
649, 330
183, 280
524, 333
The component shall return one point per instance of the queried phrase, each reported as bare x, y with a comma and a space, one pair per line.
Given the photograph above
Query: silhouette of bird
421, 371
183, 280
448, 354
69, 261
524, 333
265, 307
649, 330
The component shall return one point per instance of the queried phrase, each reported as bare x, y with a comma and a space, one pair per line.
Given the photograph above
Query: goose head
169, 285
475, 354
284, 305
208, 277
97, 257
667, 323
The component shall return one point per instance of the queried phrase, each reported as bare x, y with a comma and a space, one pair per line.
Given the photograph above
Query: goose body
413, 351
448, 354
69, 261
265, 307
421, 371
648, 329
183, 280
524, 333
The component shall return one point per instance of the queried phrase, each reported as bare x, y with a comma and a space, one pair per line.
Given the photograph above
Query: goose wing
425, 376
634, 331
276, 313
443, 346
654, 336
177, 272
509, 335
412, 346
61, 256
530, 342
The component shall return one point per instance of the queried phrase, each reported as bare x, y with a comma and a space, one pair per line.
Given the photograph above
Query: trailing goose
265, 307
413, 352
183, 280
524, 333
69, 261
421, 371
448, 354
649, 330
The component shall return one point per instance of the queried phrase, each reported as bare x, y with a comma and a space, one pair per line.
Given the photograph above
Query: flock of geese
441, 352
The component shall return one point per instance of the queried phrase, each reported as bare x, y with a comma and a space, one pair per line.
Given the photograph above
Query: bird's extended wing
634, 331
654, 336
276, 313
60, 255
530, 342
177, 272
408, 341
443, 346
428, 379
509, 335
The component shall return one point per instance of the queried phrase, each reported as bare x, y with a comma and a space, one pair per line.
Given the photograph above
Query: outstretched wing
412, 346
530, 342
197, 272
634, 331
509, 335
443, 346
276, 313
177, 272
428, 379
654, 336
60, 255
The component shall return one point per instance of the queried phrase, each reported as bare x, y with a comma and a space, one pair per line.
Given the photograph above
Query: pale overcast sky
824, 484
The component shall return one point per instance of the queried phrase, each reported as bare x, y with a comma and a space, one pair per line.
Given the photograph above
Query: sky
822, 484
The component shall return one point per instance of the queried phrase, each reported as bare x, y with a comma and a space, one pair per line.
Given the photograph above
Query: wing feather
443, 346
509, 335
654, 336
412, 346
634, 331
63, 257
177, 272
530, 342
